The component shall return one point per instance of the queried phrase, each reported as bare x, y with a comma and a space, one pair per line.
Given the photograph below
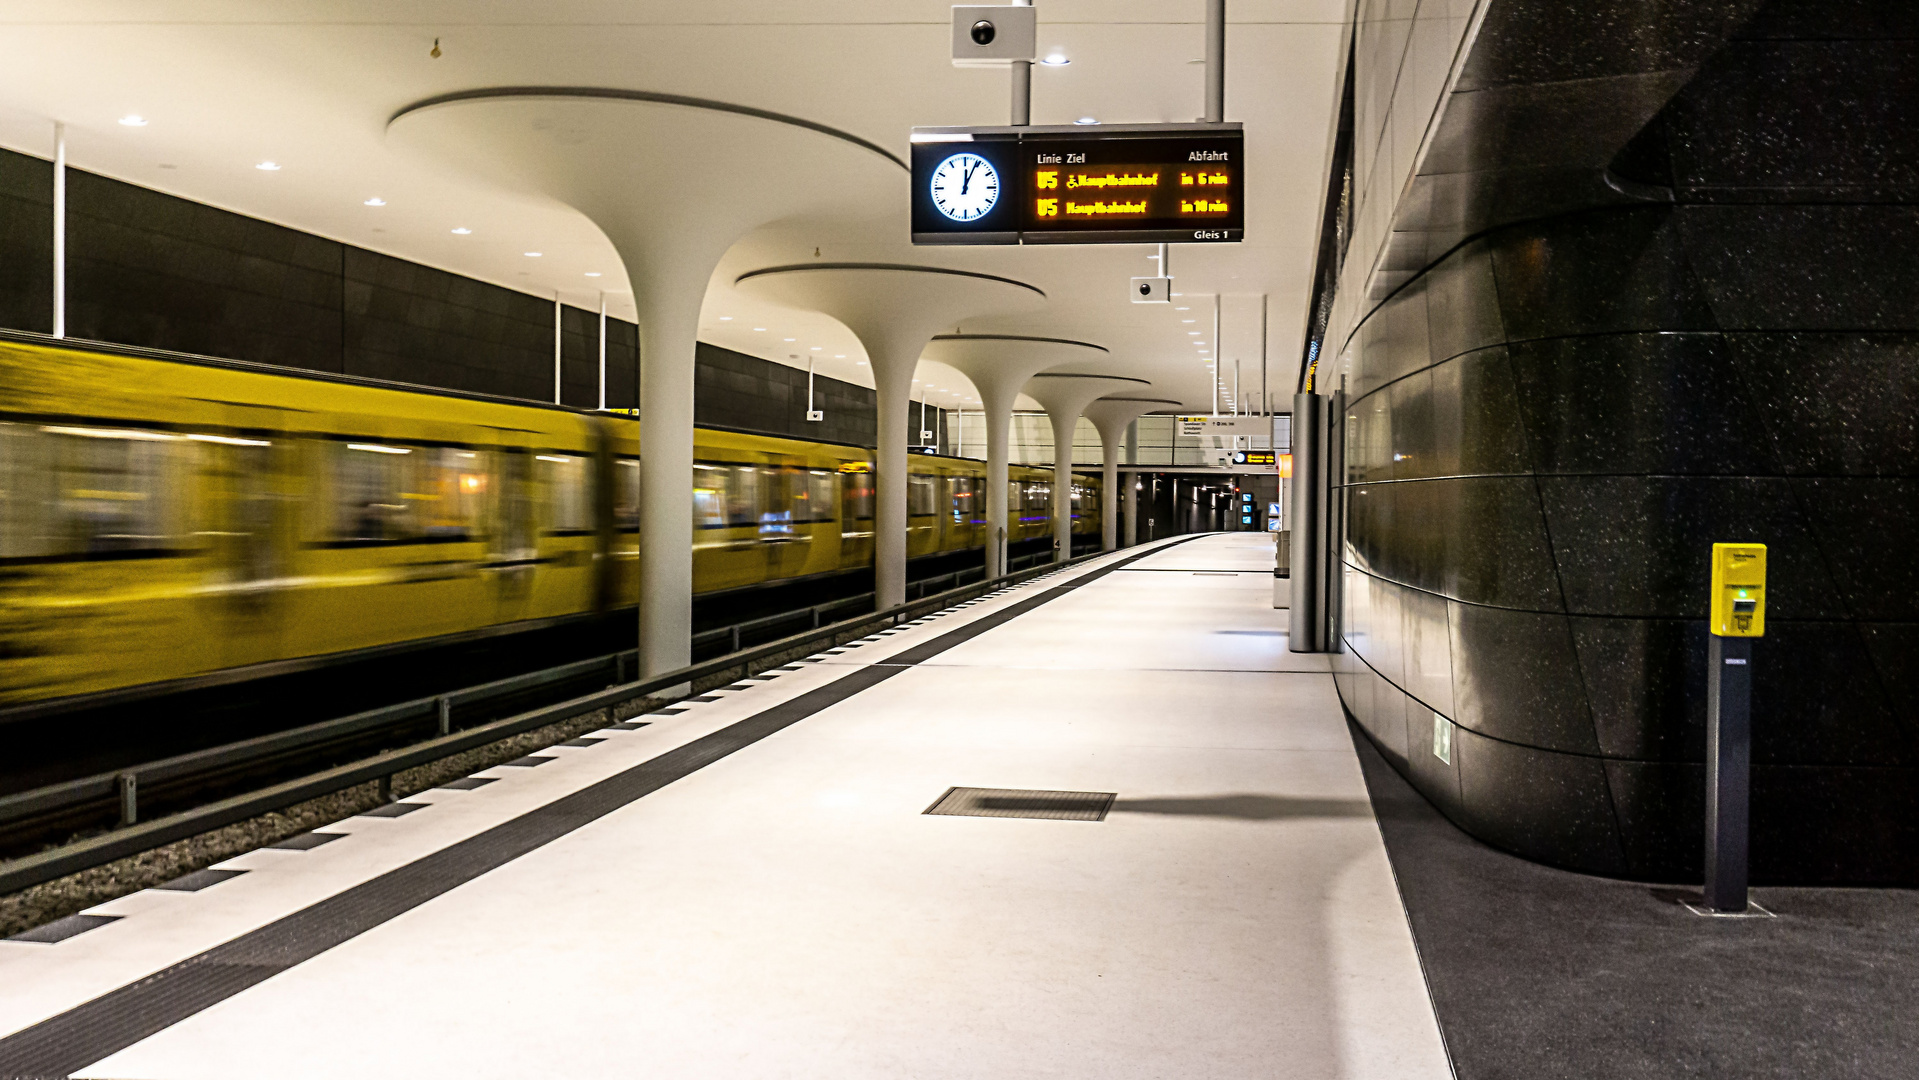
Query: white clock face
965, 187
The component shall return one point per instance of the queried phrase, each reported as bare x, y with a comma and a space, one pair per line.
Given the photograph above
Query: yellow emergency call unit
1739, 590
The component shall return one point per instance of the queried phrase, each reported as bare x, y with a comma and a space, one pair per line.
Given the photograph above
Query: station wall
1709, 333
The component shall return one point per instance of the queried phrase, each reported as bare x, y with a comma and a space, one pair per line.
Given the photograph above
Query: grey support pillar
892, 393
1130, 481
1311, 561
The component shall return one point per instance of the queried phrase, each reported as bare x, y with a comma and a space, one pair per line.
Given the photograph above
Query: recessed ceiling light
1192, 333
839, 356
375, 201
1182, 309
759, 329
532, 254
789, 339
133, 120
1189, 320
592, 273
1056, 59
1086, 120
816, 348
268, 166
726, 318
462, 231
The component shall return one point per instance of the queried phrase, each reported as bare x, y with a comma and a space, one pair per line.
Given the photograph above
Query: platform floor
750, 887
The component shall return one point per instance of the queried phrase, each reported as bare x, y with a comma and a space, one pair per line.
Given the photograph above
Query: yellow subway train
169, 521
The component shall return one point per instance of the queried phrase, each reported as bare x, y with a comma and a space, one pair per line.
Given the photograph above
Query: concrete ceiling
224, 85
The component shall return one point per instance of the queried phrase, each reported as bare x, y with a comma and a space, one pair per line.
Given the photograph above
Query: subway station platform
750, 884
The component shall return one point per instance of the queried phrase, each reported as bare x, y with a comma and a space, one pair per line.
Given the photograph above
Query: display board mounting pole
1215, 61
556, 348
1022, 85
59, 229
1265, 394
1216, 354
602, 350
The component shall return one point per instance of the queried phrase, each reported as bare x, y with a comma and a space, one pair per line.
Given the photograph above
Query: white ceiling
310, 85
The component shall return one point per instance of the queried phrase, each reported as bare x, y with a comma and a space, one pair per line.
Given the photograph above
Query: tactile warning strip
1018, 802
61, 1044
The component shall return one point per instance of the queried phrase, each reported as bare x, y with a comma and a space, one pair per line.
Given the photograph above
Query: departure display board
1131, 184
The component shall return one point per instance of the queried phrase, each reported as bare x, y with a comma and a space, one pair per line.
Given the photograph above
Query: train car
168, 521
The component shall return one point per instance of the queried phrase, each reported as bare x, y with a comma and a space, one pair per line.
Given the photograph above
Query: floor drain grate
1017, 802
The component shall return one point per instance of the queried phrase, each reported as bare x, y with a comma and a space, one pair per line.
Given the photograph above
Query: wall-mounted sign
1120, 184
1253, 457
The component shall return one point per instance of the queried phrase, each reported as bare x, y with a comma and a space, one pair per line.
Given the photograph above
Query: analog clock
965, 187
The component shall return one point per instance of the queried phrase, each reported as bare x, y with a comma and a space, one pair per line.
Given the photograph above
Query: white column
669, 311
59, 229
893, 386
1109, 492
1063, 426
556, 348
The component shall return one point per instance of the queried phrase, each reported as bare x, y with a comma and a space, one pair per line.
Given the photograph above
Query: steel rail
133, 836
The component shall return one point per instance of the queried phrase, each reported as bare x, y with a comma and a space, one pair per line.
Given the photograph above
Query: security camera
993, 35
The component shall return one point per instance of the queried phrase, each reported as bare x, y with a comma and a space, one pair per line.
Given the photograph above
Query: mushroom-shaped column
894, 310
1065, 397
1111, 415
673, 182
998, 365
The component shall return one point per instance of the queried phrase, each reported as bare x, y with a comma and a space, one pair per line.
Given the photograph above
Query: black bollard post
1738, 616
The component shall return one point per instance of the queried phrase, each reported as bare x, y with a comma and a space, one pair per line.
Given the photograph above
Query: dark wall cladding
1547, 430
149, 269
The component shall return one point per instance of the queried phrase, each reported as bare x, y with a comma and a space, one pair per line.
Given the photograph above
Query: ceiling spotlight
1055, 59
789, 339
759, 329
1194, 333
133, 120
726, 318
532, 254
1086, 120
268, 166
462, 231
839, 356
592, 273
1182, 309
816, 348
375, 201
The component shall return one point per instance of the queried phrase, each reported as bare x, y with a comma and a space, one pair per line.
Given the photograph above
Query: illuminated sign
1253, 457
1121, 184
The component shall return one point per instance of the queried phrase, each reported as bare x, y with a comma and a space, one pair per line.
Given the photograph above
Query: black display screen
1160, 183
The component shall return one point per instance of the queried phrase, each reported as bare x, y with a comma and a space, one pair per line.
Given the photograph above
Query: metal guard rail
134, 836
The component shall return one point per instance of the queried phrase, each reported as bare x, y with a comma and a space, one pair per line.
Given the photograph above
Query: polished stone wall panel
1462, 310
1477, 427
1516, 678
1866, 526
1639, 404
1811, 389
1428, 653
1797, 267
1641, 545
1598, 272
1646, 685
1554, 808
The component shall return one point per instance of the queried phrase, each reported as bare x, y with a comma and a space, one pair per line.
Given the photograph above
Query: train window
1037, 501
822, 496
1013, 502
964, 499
709, 496
743, 496
856, 496
922, 496
73, 491
455, 492
626, 495
569, 493
377, 491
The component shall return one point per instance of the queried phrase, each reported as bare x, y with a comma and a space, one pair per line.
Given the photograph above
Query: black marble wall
150, 269
1547, 428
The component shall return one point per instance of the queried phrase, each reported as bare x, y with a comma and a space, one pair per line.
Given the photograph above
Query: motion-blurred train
166, 520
